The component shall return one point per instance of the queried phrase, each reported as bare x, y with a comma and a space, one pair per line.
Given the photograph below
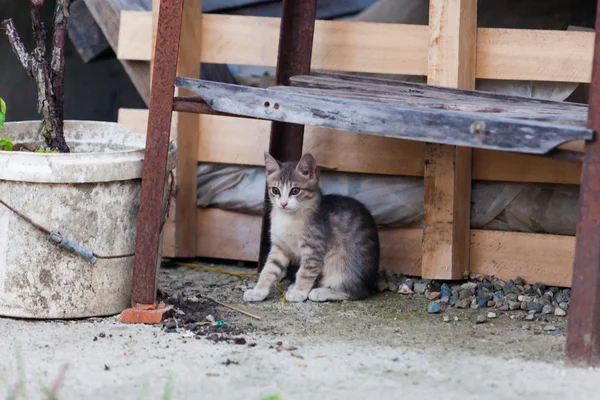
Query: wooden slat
187, 137
534, 55
84, 32
541, 55
447, 177
535, 257
382, 118
338, 45
242, 141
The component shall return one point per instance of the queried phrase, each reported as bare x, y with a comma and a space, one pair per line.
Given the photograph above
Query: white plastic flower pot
91, 197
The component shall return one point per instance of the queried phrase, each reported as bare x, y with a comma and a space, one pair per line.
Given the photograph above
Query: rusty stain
267, 104
276, 106
154, 174
293, 58
583, 339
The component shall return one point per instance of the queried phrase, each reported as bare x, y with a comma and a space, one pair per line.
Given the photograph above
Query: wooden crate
436, 51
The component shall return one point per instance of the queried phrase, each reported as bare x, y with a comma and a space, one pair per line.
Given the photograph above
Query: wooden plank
222, 140
130, 35
535, 257
447, 177
540, 55
481, 130
106, 13
535, 55
187, 134
338, 45
84, 32
439, 97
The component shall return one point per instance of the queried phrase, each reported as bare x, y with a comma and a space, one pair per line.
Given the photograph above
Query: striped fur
332, 238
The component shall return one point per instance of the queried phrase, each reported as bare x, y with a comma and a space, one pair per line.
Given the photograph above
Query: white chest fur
287, 231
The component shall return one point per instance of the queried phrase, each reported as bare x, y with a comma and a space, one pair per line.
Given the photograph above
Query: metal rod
583, 339
294, 58
154, 174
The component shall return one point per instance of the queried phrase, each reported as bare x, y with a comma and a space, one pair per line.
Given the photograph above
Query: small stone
526, 327
530, 317
481, 319
537, 307
491, 303
392, 287
410, 283
503, 307
193, 299
482, 301
464, 294
512, 297
519, 281
547, 309
469, 285
498, 297
559, 312
514, 305
404, 289
464, 303
499, 284
456, 318
434, 296
564, 306
420, 287
491, 315
525, 305
210, 318
452, 301
445, 291
539, 287
382, 285
521, 297
434, 307
446, 318
549, 328
554, 290
562, 297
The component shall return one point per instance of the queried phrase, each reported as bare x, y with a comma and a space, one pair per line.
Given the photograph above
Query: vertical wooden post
180, 230
583, 338
452, 61
294, 58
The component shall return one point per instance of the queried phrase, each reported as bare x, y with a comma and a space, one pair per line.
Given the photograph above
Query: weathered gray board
425, 122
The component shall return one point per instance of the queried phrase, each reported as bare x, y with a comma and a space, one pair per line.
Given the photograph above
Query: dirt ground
387, 345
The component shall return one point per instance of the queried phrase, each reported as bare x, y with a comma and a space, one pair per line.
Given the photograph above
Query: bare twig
61, 14
231, 307
26, 60
49, 78
39, 31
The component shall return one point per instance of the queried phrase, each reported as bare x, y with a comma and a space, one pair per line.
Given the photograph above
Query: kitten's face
292, 187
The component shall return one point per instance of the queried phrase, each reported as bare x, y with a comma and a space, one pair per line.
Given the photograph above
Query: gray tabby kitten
332, 238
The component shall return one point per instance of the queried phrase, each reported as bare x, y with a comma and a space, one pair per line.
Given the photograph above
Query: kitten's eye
294, 191
275, 191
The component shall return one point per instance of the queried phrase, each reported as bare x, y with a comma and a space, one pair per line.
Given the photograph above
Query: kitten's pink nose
283, 204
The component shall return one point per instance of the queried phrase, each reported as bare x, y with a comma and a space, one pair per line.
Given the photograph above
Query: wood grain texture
107, 16
382, 118
242, 141
539, 55
535, 257
187, 134
447, 176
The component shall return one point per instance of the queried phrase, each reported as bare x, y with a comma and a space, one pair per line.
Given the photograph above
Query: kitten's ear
271, 164
307, 166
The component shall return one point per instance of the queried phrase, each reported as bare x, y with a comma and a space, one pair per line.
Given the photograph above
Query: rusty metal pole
294, 58
583, 338
154, 175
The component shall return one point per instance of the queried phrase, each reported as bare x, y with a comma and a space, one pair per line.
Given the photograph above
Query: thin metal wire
48, 232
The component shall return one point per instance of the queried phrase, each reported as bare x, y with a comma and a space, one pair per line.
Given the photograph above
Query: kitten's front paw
254, 295
295, 296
